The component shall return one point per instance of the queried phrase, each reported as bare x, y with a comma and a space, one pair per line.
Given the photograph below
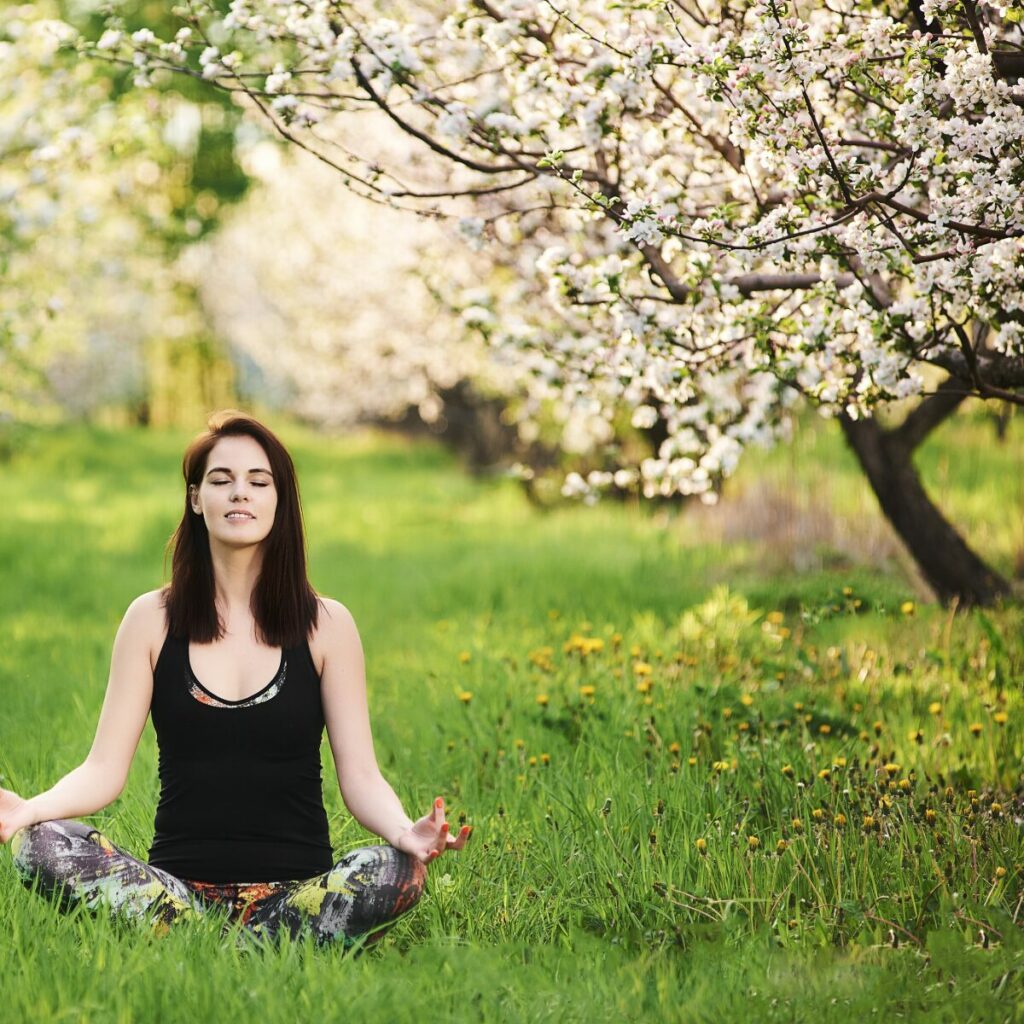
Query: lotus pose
240, 821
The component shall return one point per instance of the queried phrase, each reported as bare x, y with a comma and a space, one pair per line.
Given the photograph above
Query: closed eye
217, 483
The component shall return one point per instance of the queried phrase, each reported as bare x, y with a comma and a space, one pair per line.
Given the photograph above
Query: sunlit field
721, 764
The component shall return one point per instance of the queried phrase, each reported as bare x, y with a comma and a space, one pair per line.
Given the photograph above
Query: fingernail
444, 827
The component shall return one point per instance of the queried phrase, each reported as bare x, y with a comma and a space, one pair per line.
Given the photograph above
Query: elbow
107, 782
353, 783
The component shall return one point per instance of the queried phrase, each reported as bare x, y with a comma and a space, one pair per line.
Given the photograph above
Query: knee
406, 872
37, 848
383, 871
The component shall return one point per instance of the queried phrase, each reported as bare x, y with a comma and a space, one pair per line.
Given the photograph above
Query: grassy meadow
721, 763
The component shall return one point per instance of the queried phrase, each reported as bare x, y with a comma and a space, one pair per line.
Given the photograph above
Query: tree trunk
950, 567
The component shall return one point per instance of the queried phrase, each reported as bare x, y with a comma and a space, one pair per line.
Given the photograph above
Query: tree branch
929, 413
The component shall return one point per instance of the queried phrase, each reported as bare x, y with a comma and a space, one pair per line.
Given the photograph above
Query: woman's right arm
99, 779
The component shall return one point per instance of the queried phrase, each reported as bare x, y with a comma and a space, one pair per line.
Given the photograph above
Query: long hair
284, 605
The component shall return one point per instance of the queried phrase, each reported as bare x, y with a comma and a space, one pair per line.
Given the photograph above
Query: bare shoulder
335, 632
146, 618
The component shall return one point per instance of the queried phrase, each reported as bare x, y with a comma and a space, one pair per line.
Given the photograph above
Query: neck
235, 572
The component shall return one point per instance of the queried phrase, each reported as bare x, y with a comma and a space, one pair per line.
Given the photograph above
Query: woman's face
237, 495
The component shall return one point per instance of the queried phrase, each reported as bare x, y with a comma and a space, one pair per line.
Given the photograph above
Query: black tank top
241, 796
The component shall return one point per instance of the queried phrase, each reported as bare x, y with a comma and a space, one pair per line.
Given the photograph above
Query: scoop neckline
224, 700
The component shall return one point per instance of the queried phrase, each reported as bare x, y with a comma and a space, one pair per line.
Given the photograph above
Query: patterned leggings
364, 891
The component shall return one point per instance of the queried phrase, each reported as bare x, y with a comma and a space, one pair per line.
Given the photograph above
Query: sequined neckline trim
204, 696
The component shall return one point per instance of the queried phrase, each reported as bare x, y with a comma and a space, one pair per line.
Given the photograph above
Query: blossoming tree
719, 205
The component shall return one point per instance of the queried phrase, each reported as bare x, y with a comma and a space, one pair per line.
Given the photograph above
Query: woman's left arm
364, 789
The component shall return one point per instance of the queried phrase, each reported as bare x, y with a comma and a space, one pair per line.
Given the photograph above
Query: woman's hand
428, 838
14, 814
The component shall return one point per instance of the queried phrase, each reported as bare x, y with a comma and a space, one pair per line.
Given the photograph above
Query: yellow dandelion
691, 761
787, 770
720, 766
746, 700
519, 744
869, 822
839, 762
586, 691
674, 748
904, 785
643, 686
465, 696
616, 639
1000, 718
545, 759
753, 842
907, 608
776, 618
847, 591
464, 656
533, 762
817, 814
635, 650
727, 712
798, 825
781, 845
824, 728
641, 668
840, 820
824, 774
542, 699
935, 708
930, 816
1000, 872
975, 728
701, 846
915, 736
892, 769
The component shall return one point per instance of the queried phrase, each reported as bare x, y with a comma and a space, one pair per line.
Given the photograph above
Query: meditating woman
240, 821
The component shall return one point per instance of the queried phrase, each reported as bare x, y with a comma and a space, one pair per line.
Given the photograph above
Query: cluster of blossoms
322, 319
84, 204
713, 208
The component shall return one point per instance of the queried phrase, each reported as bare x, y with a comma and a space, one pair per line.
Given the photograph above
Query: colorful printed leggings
364, 891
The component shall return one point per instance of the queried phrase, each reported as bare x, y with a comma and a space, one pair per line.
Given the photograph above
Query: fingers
460, 840
449, 843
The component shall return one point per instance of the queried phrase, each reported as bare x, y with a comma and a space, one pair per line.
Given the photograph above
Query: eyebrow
224, 469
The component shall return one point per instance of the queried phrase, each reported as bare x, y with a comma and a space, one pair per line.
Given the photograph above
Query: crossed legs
364, 891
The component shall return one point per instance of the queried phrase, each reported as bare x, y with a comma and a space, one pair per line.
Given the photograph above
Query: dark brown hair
283, 604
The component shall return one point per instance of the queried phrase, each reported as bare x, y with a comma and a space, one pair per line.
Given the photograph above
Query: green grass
584, 893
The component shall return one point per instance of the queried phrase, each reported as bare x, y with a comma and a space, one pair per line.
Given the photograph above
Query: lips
239, 515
